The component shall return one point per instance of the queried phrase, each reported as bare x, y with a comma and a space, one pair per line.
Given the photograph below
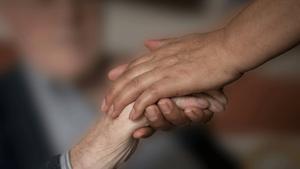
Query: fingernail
165, 108
103, 104
152, 117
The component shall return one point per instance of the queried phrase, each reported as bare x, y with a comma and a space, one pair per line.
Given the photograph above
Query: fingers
198, 101
172, 113
196, 115
155, 44
194, 106
215, 105
144, 132
135, 81
117, 72
160, 89
129, 92
218, 95
140, 60
140, 67
201, 107
156, 119
117, 87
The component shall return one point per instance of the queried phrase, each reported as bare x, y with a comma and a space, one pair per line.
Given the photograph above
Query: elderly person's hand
175, 67
109, 143
180, 111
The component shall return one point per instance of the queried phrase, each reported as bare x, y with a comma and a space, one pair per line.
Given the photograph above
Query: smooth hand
175, 67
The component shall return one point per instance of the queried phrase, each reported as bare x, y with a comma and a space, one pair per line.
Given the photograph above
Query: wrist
101, 154
229, 54
242, 50
107, 144
225, 60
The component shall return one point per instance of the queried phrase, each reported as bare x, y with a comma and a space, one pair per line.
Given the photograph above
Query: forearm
108, 144
263, 30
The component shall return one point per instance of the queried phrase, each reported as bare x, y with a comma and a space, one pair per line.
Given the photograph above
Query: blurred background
261, 127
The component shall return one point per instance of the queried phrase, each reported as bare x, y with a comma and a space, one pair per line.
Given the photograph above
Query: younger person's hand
177, 111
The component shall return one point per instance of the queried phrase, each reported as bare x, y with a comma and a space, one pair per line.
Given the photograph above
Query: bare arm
264, 30
199, 62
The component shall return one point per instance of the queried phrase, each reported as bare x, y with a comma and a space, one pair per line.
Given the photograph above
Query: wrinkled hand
175, 67
108, 144
180, 111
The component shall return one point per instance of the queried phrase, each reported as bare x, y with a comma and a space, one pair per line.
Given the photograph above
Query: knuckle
135, 62
128, 75
153, 91
153, 109
148, 114
136, 82
172, 60
148, 110
160, 102
111, 90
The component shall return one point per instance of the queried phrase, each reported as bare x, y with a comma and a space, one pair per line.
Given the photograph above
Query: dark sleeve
53, 163
6, 156
8, 153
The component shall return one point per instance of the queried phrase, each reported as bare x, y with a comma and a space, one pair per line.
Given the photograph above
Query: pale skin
206, 61
108, 144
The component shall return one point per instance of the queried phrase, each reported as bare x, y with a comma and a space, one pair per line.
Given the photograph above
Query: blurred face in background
58, 37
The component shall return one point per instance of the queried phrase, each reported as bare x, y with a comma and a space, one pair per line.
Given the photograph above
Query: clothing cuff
65, 162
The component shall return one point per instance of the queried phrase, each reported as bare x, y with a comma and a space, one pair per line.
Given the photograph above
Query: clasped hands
111, 141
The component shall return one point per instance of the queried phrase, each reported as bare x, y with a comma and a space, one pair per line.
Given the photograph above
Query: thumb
117, 72
155, 44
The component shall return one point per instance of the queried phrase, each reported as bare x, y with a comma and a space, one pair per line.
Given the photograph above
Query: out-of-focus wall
128, 23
